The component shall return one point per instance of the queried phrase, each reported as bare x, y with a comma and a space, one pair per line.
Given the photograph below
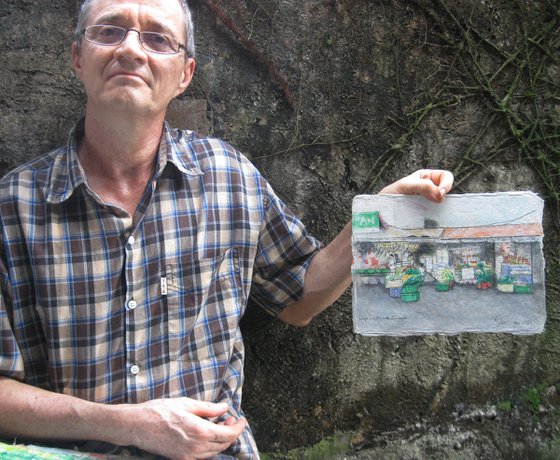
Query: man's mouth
128, 75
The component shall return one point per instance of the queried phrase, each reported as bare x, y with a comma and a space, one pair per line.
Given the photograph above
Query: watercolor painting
473, 263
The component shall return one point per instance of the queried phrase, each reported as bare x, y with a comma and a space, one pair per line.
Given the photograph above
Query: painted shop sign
471, 264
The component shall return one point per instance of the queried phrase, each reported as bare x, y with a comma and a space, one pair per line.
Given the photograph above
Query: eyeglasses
155, 42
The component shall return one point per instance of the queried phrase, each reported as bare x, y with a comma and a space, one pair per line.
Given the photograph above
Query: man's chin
126, 101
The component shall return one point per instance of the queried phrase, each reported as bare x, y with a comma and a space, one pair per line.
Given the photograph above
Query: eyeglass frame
127, 30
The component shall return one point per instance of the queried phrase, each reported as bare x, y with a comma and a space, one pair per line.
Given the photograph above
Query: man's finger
203, 409
220, 432
231, 427
213, 449
433, 184
441, 178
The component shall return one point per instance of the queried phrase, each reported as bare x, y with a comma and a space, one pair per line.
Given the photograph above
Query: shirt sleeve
285, 250
11, 363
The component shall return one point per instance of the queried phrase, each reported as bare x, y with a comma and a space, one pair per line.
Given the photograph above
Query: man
128, 256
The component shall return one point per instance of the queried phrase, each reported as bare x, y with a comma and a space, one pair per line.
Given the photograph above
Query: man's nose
132, 41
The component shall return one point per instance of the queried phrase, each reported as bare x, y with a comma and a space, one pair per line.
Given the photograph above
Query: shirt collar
174, 149
67, 172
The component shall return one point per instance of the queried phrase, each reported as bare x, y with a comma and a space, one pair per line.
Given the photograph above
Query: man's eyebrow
115, 18
107, 18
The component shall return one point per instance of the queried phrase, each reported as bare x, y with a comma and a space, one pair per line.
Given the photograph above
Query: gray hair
190, 48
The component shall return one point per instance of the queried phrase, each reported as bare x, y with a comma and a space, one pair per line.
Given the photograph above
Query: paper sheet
473, 263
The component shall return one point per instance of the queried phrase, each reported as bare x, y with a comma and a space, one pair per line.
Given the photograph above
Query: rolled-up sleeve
285, 250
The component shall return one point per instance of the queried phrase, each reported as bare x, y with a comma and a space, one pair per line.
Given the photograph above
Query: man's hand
177, 428
182, 428
432, 184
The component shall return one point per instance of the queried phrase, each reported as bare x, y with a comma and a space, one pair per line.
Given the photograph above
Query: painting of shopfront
473, 263
481, 258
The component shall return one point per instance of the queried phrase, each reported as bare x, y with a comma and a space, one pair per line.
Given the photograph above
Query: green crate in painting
370, 271
410, 297
522, 289
410, 293
442, 287
409, 288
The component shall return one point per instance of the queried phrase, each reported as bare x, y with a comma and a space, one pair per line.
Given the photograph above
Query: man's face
126, 77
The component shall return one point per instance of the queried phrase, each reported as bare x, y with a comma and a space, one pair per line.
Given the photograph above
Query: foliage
413, 277
483, 273
533, 397
550, 450
505, 406
328, 448
512, 73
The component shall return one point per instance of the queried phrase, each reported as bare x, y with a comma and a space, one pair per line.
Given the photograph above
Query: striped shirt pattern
119, 309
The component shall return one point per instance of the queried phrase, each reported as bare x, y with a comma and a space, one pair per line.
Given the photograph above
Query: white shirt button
132, 304
134, 369
131, 240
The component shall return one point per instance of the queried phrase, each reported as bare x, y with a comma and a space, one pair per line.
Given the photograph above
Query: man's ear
186, 76
76, 64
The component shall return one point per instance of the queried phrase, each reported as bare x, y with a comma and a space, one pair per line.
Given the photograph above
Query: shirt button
134, 369
132, 304
131, 240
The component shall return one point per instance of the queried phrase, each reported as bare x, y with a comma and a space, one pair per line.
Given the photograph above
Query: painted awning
494, 231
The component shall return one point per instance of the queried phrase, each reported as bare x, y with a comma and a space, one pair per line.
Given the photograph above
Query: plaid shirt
113, 309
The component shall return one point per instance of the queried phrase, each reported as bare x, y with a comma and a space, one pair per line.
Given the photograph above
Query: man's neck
118, 157
120, 144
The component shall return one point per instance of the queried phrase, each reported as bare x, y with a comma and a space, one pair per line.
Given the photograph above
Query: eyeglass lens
113, 35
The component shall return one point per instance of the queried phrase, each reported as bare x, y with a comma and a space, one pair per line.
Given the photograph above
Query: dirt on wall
331, 99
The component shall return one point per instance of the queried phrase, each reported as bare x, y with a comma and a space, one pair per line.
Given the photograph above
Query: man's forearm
172, 427
32, 413
327, 277
329, 273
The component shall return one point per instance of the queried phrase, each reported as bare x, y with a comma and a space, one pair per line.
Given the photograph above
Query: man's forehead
168, 13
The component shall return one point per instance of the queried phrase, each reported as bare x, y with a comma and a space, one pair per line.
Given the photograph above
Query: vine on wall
245, 40
513, 74
516, 78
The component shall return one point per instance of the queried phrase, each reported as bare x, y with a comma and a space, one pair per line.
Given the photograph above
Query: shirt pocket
205, 303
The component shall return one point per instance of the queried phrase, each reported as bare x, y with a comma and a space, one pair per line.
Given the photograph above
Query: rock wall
331, 99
